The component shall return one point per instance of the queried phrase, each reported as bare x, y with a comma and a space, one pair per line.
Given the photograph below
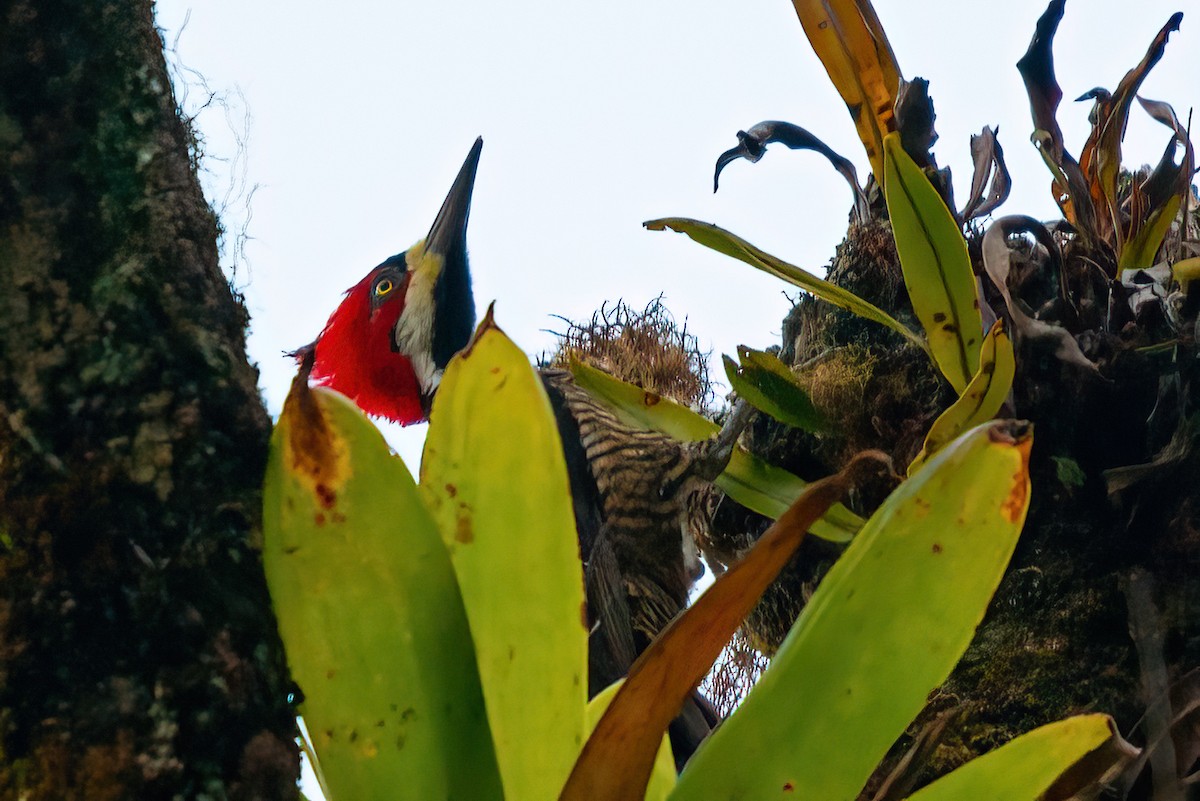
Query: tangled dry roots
646, 348
736, 670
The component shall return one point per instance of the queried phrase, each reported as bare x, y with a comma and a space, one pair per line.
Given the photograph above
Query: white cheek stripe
414, 329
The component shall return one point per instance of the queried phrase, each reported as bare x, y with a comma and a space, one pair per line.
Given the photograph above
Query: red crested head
387, 343
355, 354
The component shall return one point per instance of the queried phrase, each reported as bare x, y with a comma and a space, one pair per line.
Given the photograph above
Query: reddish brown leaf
666, 673
1101, 156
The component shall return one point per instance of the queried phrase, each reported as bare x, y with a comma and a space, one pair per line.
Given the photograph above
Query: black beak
454, 304
448, 235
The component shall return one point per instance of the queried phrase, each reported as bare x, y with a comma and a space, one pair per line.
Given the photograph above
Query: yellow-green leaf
937, 269
494, 478
1024, 768
1185, 271
1138, 253
722, 241
884, 628
750, 481
848, 38
370, 612
768, 385
662, 777
982, 399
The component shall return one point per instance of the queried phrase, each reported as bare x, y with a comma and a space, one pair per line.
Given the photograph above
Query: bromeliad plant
435, 629
1124, 220
1091, 316
1119, 221
940, 283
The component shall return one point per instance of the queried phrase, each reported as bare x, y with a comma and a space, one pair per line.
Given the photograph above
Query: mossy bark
138, 653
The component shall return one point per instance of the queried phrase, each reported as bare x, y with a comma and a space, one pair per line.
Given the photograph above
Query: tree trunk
138, 653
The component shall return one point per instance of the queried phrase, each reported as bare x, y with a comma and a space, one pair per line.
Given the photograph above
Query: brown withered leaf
1168, 178
997, 263
989, 163
1037, 71
914, 120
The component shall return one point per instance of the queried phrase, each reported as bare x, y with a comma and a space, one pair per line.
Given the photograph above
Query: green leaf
722, 241
617, 760
982, 399
370, 613
494, 478
937, 269
662, 776
1139, 252
1185, 271
884, 628
1024, 768
750, 481
770, 386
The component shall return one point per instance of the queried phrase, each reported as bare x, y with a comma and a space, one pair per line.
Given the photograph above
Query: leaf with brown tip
1051, 762
849, 39
884, 628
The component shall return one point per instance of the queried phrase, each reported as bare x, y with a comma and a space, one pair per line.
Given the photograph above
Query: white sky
596, 117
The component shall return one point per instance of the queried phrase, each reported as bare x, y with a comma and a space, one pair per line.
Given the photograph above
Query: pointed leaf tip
488, 323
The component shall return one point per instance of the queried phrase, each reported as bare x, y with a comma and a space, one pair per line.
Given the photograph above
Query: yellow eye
383, 287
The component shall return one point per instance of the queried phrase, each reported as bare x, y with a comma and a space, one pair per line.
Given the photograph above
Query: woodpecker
385, 346
640, 498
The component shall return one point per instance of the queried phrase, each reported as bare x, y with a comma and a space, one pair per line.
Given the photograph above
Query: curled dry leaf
997, 262
752, 145
989, 163
1037, 71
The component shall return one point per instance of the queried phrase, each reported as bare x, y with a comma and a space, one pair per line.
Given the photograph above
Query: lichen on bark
138, 656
